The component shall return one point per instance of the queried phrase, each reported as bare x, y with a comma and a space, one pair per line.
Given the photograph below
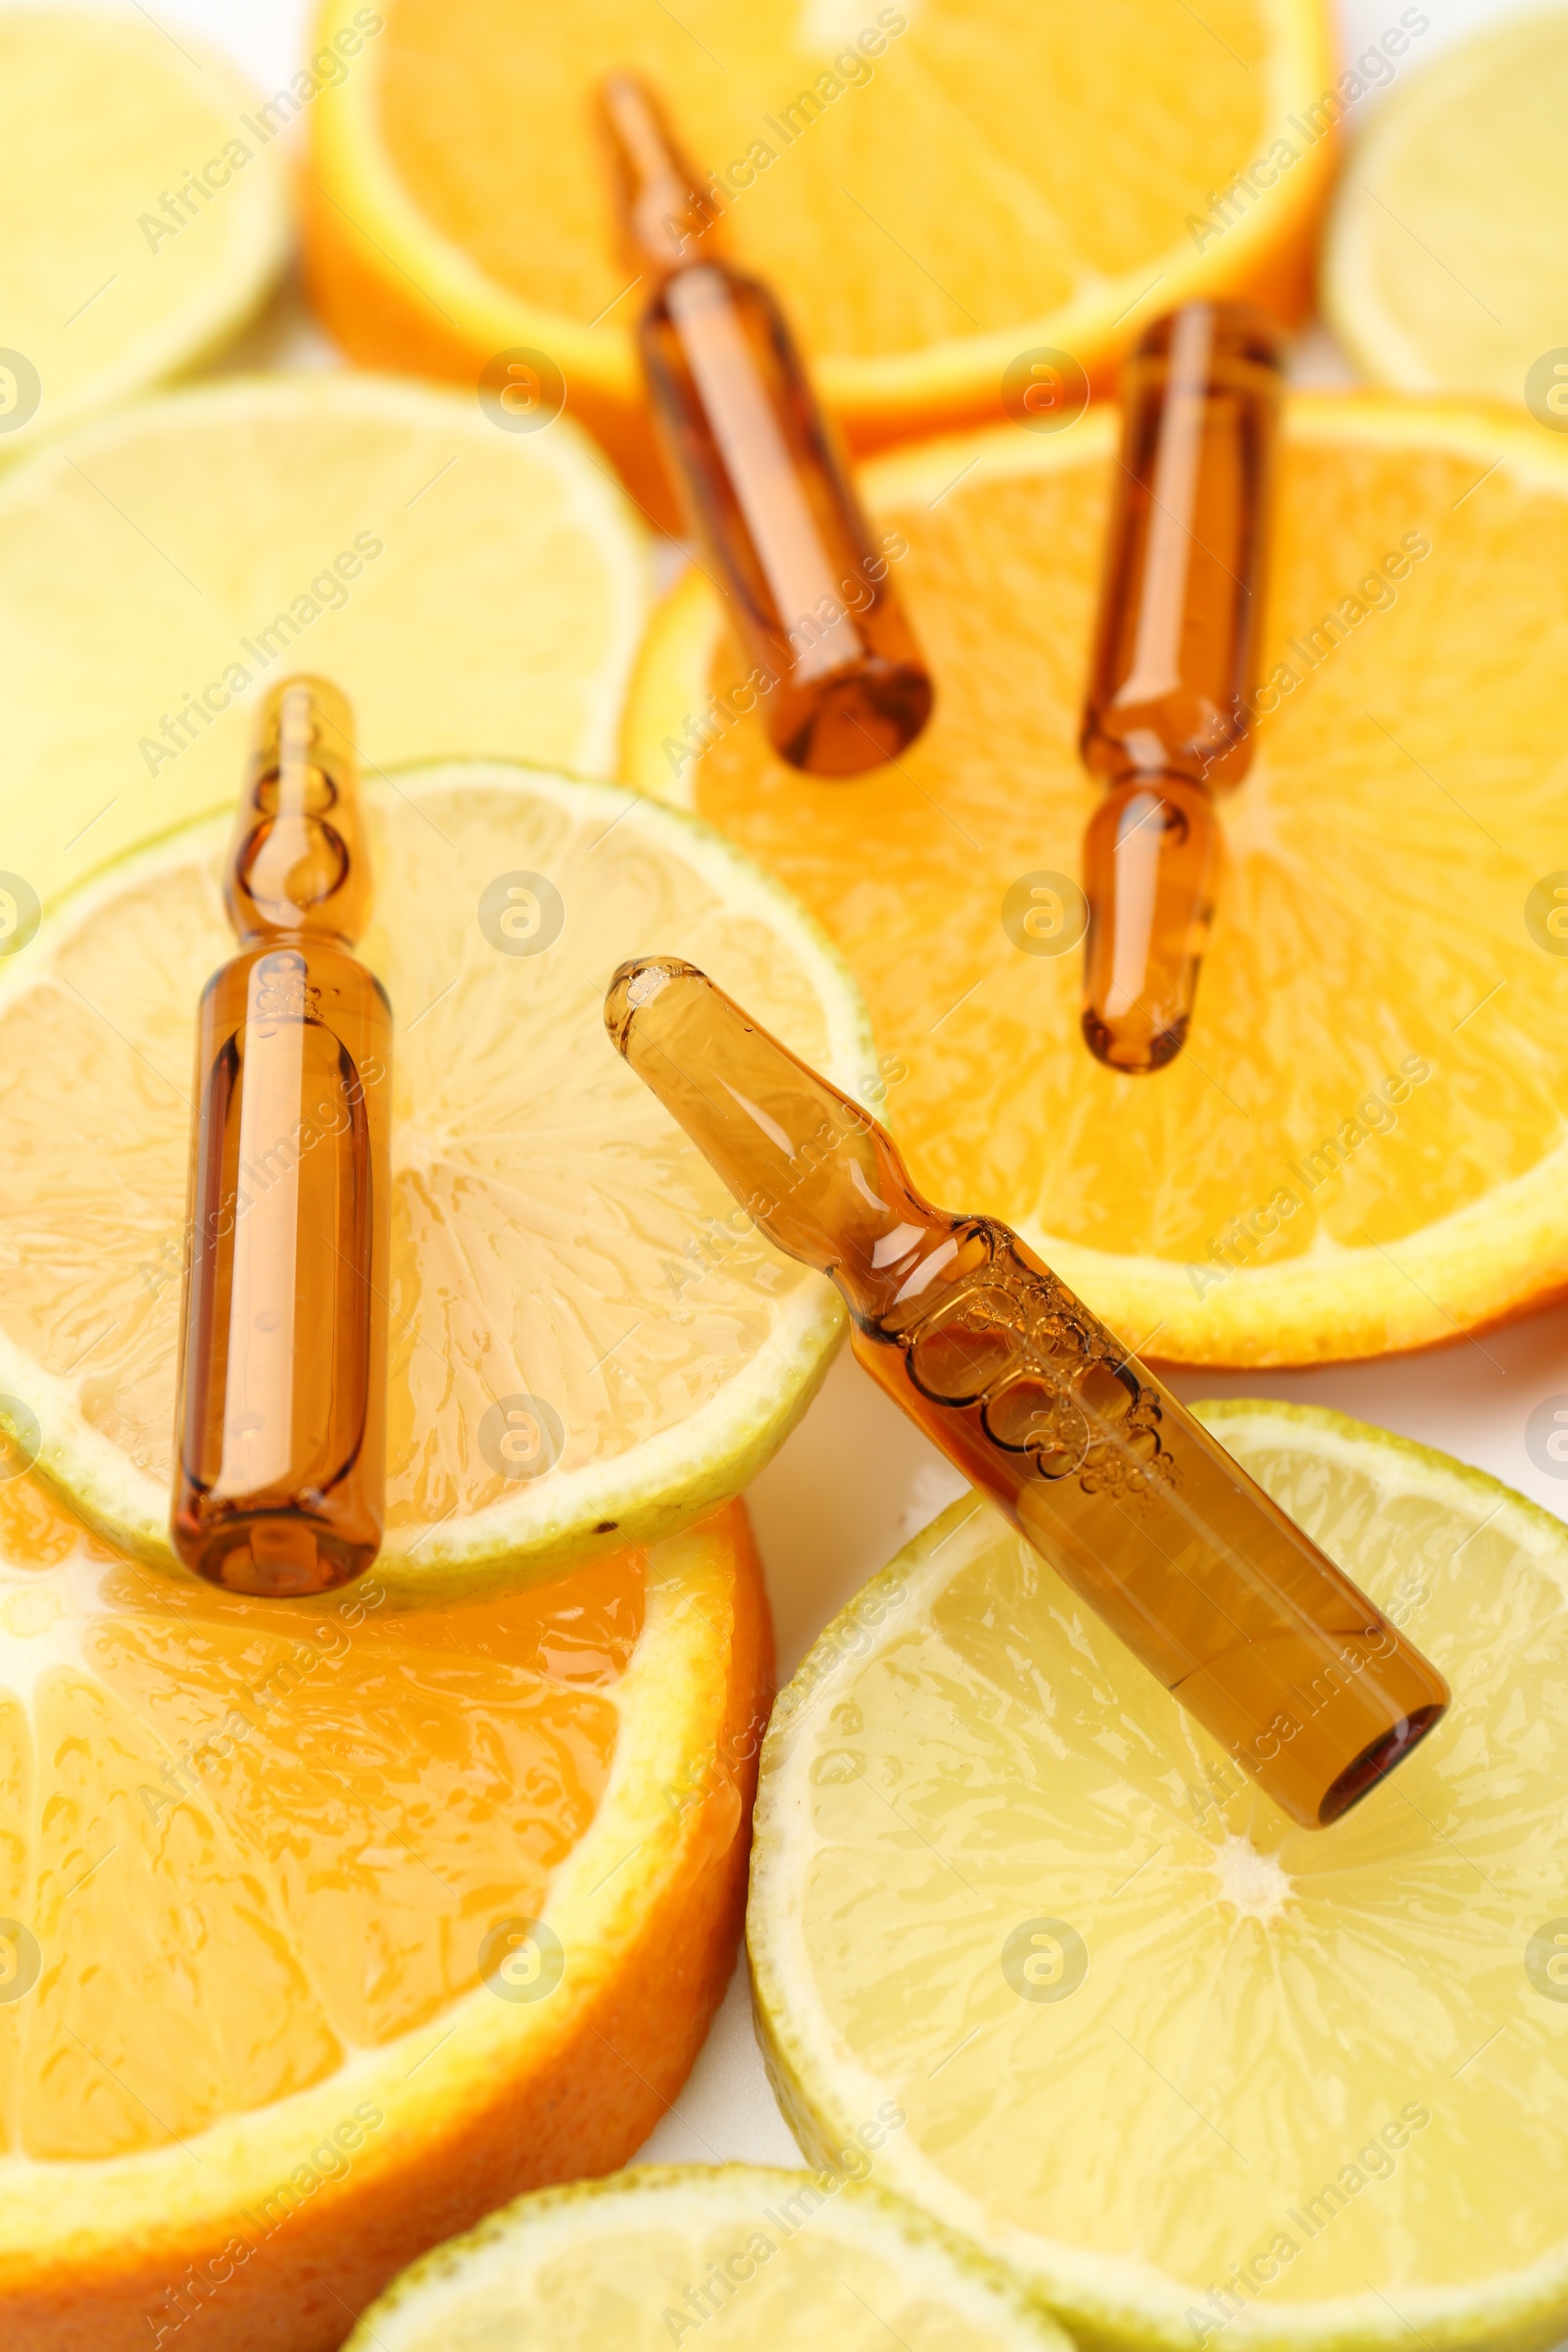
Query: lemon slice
646, 2259
1200, 2077
1448, 244
145, 205
587, 1338
471, 590
323, 1928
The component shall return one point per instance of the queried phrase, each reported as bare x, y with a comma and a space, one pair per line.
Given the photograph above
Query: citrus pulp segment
1447, 241
160, 568
147, 211
936, 197
588, 1339
1362, 1146
1200, 2076
646, 2259
327, 1926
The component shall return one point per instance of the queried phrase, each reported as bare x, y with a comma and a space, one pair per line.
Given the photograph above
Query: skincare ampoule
1167, 715
767, 499
1274, 1650
280, 1472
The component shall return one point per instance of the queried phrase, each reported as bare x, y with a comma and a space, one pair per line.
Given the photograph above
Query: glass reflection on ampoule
279, 1469
1305, 1680
765, 494
1167, 715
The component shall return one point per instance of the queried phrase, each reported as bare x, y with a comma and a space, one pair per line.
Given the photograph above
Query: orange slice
937, 194
323, 1930
1363, 1145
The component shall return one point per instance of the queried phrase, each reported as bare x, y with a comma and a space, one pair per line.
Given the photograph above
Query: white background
857, 1479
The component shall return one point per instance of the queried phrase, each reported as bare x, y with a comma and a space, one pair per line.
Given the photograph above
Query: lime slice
1199, 2075
648, 2257
563, 1260
145, 205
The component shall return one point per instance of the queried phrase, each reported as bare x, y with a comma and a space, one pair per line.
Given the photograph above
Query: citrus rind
317, 2196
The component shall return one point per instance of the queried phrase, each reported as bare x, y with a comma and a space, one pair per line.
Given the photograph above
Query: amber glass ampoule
763, 493
280, 1475
1259, 1636
1166, 720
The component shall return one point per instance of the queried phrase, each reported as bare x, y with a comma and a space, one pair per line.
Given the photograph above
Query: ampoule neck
298, 867
811, 1166
916, 1271
668, 219
1201, 342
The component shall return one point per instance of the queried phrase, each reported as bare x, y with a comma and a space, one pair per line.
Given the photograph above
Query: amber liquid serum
1269, 1645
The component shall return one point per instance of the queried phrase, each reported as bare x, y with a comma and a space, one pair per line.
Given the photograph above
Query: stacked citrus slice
146, 207
1362, 1146
588, 1340
1200, 2077
322, 1928
939, 195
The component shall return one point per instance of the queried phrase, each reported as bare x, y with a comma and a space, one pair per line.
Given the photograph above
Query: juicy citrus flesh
277, 1896
1370, 1054
128, 272
638, 2261
555, 1238
260, 1866
1154, 2040
1000, 210
471, 591
1449, 242
922, 200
